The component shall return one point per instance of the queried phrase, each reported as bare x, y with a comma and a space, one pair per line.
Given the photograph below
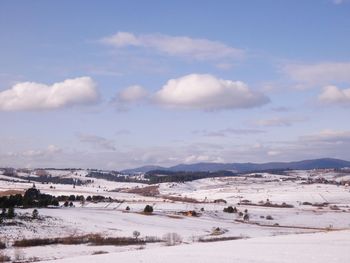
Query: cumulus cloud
206, 92
97, 141
319, 73
334, 95
38, 96
182, 46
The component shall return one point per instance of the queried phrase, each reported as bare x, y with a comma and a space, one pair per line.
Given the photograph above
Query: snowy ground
332, 247
276, 237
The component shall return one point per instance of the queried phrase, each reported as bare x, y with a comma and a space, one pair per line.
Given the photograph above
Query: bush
172, 239
4, 258
11, 212
246, 217
127, 208
96, 240
220, 201
269, 217
2, 245
35, 214
230, 209
136, 234
148, 209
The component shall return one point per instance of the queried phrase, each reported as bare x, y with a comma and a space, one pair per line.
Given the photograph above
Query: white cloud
334, 95
38, 96
132, 94
201, 49
319, 73
206, 92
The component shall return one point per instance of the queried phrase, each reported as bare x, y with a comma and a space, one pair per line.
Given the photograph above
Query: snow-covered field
332, 247
290, 234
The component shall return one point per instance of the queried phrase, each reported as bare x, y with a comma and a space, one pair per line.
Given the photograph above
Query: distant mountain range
246, 167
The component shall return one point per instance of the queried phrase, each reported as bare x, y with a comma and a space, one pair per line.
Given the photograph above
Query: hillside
323, 163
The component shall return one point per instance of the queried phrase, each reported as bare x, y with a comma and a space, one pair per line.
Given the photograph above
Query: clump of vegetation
35, 214
4, 258
11, 213
93, 239
148, 209
182, 176
269, 217
215, 239
230, 209
246, 217
2, 245
31, 198
136, 234
127, 208
216, 231
306, 203
220, 201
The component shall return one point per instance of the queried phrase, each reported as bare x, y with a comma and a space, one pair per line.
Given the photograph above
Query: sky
121, 84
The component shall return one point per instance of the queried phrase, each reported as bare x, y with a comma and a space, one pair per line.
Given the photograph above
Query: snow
270, 242
321, 248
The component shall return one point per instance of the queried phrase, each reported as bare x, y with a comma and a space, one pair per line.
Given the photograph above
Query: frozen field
275, 233
320, 247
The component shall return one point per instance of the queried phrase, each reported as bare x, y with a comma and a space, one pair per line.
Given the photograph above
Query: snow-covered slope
332, 247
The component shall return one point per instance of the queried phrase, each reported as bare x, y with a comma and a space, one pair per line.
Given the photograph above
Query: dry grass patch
92, 239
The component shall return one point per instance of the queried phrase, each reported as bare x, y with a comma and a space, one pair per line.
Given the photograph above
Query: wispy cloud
181, 46
228, 131
279, 121
309, 75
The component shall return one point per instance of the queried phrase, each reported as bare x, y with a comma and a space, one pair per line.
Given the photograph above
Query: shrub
127, 208
2, 245
148, 209
269, 217
220, 201
246, 217
230, 209
4, 258
35, 214
11, 212
172, 239
136, 234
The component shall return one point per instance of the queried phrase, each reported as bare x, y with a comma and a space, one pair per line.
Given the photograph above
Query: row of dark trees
31, 198
160, 176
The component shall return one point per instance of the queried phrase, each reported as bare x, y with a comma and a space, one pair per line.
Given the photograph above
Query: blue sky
118, 84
